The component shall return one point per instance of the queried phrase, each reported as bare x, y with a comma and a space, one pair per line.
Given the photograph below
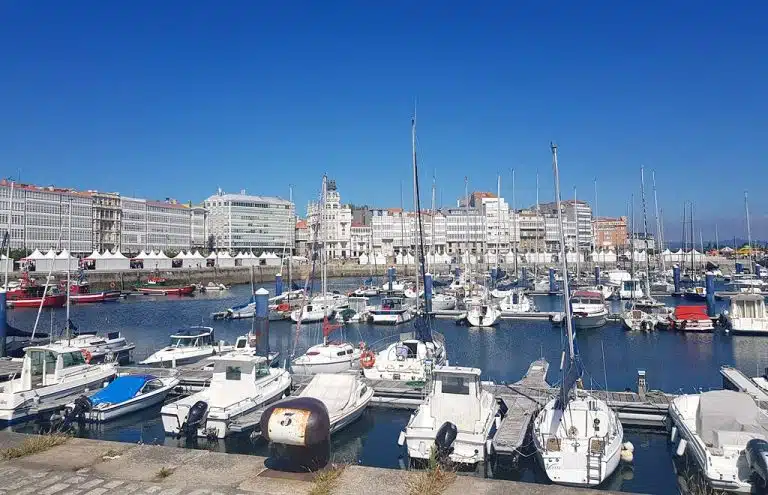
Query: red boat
80, 292
29, 295
691, 319
156, 286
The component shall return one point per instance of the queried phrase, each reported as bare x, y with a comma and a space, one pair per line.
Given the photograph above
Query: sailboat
578, 438
329, 356
413, 356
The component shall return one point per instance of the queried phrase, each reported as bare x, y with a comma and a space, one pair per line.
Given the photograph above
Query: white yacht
589, 309
356, 312
391, 311
98, 349
328, 356
241, 384
455, 403
408, 359
187, 346
719, 430
747, 314
48, 373
482, 313
645, 314
517, 302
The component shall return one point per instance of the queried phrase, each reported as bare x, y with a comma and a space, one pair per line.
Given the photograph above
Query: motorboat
328, 356
408, 359
312, 313
33, 296
631, 289
158, 286
331, 299
112, 347
589, 309
396, 286
458, 419
365, 291
240, 385
213, 287
443, 302
725, 433
187, 346
748, 282
577, 437
345, 397
356, 312
747, 314
645, 314
517, 302
481, 313
690, 319
126, 394
391, 311
616, 277
49, 373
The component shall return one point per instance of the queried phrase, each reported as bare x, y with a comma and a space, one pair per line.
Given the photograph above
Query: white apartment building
154, 225
577, 219
241, 222
41, 215
360, 239
336, 232
198, 234
502, 229
396, 231
465, 230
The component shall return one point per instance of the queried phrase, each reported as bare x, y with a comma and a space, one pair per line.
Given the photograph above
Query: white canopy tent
113, 262
5, 263
64, 260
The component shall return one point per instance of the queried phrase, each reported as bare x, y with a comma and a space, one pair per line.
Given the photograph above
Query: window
455, 385
151, 386
233, 373
72, 359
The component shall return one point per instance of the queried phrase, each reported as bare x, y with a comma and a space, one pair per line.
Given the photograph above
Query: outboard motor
300, 432
77, 413
195, 420
444, 439
757, 457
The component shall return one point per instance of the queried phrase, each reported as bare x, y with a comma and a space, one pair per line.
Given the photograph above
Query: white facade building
396, 231
241, 222
154, 226
465, 230
336, 224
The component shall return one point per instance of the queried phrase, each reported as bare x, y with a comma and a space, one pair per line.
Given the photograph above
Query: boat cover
723, 411
122, 389
691, 313
334, 390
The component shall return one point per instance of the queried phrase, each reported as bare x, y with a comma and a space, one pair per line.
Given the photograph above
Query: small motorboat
690, 319
589, 309
187, 346
80, 293
158, 286
443, 302
98, 349
391, 311
213, 287
457, 420
126, 394
356, 312
240, 385
345, 397
747, 315
365, 291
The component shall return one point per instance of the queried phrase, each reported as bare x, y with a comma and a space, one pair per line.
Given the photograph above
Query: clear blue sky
177, 98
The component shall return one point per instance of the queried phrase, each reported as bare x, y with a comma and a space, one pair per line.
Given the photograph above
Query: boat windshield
390, 303
190, 341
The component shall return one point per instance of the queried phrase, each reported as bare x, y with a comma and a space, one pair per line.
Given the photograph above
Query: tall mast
749, 229
323, 254
514, 220
69, 258
645, 229
466, 218
290, 256
419, 254
419, 225
402, 221
498, 220
659, 243
632, 238
717, 240
8, 246
432, 236
576, 223
566, 293
536, 260
693, 242
594, 230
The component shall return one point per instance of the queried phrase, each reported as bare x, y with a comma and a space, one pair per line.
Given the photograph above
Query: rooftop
247, 197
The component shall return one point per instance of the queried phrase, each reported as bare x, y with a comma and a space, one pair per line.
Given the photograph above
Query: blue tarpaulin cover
122, 389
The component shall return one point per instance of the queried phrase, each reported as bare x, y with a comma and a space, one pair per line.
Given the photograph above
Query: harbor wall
126, 280
100, 467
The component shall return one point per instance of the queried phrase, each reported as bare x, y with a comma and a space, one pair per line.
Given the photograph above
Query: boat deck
8, 369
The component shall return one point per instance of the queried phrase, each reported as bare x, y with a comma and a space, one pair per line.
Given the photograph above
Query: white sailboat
482, 312
517, 302
578, 438
328, 356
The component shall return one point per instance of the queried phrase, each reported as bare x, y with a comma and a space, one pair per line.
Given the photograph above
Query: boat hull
596, 320
390, 318
97, 297
125, 408
56, 301
309, 368
167, 291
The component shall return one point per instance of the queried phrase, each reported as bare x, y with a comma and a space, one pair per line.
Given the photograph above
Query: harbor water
675, 362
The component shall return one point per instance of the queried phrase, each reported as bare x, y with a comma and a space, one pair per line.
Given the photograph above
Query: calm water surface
675, 362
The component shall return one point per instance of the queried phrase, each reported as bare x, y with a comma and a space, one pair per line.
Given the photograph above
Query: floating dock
734, 379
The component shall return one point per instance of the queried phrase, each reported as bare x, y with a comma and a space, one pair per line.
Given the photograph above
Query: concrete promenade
93, 467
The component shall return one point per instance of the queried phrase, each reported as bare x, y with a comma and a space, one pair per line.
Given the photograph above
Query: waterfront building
395, 231
155, 225
531, 230
243, 222
107, 221
199, 232
360, 239
336, 232
465, 231
301, 239
577, 220
610, 232
640, 241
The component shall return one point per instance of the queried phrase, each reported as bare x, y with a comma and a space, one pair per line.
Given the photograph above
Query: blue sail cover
122, 389
573, 372
423, 327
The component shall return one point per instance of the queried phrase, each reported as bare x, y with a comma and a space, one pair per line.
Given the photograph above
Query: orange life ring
367, 359
283, 307
112, 285
86, 354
